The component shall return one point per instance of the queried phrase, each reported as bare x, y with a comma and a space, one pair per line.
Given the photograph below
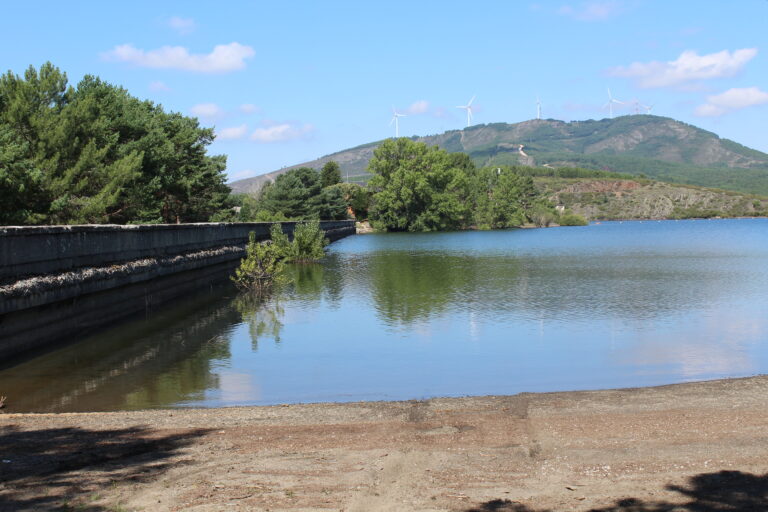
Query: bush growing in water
265, 261
308, 242
261, 268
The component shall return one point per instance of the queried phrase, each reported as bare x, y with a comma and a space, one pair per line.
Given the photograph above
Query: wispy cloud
282, 132
207, 110
591, 11
182, 25
159, 86
232, 132
222, 59
418, 107
730, 100
249, 108
688, 67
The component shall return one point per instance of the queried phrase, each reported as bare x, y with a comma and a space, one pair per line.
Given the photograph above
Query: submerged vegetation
264, 265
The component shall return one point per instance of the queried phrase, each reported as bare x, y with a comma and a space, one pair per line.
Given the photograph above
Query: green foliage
94, 154
262, 267
293, 194
356, 198
542, 215
331, 204
308, 242
572, 219
503, 198
419, 188
330, 174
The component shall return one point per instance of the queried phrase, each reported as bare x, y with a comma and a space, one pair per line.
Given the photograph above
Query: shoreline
573, 450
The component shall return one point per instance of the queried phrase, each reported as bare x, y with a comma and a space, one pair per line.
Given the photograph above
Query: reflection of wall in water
160, 361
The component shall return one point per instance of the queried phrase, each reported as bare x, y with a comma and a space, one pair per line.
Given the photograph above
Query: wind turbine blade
461, 106
619, 102
609, 93
392, 121
470, 101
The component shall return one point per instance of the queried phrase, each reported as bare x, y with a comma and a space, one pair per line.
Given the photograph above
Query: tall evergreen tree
330, 174
95, 154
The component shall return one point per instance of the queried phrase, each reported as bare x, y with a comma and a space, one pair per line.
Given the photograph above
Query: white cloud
281, 132
688, 67
209, 110
249, 108
182, 25
591, 11
158, 86
223, 58
418, 107
732, 99
233, 132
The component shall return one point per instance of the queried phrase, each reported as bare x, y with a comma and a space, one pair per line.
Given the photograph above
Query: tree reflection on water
263, 313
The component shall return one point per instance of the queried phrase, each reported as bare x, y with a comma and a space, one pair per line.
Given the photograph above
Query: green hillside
654, 146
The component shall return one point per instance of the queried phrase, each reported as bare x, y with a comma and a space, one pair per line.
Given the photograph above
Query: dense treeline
302, 194
94, 154
414, 187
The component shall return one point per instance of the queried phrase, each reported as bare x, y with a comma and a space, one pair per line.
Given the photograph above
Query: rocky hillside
607, 199
655, 146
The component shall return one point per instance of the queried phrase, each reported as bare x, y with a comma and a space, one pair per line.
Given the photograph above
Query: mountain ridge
659, 147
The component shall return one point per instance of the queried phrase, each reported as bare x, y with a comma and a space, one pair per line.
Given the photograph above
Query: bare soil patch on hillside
690, 447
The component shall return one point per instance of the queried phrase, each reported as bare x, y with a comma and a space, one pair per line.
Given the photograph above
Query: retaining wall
58, 282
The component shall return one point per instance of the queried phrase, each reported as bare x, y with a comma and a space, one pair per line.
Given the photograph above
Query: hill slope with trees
653, 146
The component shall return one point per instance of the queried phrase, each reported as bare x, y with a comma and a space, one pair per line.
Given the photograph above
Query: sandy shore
698, 447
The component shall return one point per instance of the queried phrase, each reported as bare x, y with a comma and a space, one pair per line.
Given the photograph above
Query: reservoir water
411, 316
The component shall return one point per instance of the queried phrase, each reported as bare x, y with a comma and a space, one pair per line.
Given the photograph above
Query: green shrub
264, 264
572, 219
261, 269
308, 242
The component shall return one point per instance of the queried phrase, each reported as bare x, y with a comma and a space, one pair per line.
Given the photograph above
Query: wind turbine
538, 107
611, 101
648, 108
395, 119
468, 108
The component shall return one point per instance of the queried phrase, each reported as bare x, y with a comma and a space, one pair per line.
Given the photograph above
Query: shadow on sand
707, 492
65, 468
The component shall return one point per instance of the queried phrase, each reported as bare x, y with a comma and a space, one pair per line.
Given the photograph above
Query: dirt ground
692, 447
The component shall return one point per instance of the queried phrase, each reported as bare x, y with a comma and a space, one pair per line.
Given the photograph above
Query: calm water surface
401, 316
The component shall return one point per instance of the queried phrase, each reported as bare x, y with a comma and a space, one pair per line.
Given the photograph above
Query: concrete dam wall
60, 282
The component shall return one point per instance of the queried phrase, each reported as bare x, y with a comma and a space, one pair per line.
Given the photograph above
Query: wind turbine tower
538, 107
468, 108
611, 101
396, 119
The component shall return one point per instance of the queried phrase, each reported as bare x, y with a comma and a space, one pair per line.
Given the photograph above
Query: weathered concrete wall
35, 250
58, 282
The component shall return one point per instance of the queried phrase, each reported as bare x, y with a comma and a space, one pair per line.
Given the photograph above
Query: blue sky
285, 82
